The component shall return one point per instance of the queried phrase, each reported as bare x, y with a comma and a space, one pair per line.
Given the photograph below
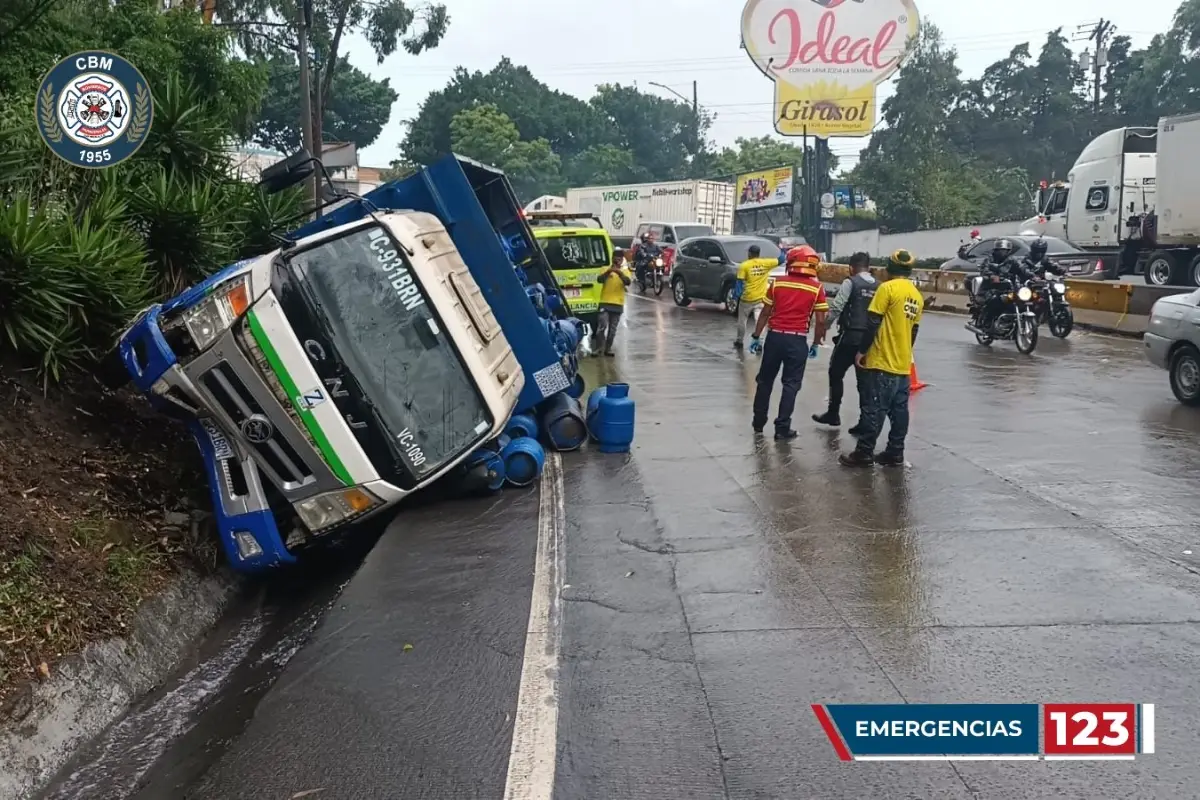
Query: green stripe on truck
314, 428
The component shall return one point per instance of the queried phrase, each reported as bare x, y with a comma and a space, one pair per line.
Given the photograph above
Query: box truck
622, 208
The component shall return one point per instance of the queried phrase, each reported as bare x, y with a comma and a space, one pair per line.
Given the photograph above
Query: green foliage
82, 250
958, 152
356, 112
621, 135
750, 155
485, 133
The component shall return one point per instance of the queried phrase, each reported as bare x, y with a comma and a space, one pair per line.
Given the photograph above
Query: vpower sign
827, 57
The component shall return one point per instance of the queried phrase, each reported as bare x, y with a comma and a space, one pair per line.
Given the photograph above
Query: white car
1172, 341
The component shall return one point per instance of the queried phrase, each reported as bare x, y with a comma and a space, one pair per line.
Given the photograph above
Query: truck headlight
212, 316
333, 508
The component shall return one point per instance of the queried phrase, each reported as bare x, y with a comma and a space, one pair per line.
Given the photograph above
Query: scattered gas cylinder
578, 387
563, 423
487, 467
524, 460
610, 417
521, 425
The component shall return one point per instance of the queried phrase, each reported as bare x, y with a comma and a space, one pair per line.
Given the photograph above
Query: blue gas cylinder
524, 460
521, 425
562, 421
490, 465
577, 387
610, 417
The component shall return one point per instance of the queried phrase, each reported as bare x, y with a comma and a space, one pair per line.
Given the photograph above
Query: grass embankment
93, 516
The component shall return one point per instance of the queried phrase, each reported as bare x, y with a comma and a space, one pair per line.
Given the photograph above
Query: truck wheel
679, 290
1185, 375
1194, 272
1163, 269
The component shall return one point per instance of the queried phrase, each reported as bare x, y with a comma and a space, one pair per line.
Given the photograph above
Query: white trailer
622, 208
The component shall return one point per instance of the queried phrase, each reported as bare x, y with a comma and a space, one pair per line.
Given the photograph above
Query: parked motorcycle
1052, 307
1017, 320
653, 276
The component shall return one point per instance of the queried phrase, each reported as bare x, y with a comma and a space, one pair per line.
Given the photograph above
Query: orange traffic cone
914, 383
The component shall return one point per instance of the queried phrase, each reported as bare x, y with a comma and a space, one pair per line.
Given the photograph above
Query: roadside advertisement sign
769, 187
827, 57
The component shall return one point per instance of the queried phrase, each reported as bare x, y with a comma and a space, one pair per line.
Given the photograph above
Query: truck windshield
380, 322
575, 252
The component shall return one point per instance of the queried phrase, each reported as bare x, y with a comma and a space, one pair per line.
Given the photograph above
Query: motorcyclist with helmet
1036, 262
995, 275
647, 251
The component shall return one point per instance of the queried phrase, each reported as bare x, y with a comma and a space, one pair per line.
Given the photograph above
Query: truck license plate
572, 293
221, 448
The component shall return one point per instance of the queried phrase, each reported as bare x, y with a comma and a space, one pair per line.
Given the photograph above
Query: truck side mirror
292, 171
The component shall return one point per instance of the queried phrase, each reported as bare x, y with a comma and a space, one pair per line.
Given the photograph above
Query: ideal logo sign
621, 196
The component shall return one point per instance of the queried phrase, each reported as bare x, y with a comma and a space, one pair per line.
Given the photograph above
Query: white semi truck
621, 208
1111, 180
1116, 180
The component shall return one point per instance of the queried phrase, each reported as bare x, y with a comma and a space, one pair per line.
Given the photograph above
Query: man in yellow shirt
886, 355
613, 282
750, 290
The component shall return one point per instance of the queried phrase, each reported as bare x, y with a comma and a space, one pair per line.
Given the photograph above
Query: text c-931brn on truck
328, 379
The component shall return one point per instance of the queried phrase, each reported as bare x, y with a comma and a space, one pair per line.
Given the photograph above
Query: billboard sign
765, 188
827, 57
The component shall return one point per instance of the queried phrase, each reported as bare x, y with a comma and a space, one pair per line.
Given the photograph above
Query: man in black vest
849, 308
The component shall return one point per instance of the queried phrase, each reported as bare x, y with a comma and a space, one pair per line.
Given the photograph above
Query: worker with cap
886, 354
792, 300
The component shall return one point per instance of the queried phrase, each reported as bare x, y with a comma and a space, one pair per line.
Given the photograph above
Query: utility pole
1098, 33
306, 120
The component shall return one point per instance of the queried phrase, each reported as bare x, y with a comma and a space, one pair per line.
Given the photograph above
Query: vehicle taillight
668, 259
1099, 266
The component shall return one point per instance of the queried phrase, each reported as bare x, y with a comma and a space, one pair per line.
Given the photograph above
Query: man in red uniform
791, 302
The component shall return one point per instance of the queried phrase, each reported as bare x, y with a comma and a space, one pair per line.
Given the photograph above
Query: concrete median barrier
1102, 306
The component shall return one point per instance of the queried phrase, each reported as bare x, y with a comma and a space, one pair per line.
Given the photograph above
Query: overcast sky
572, 45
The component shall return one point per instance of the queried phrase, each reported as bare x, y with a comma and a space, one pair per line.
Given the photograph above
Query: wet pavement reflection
1038, 548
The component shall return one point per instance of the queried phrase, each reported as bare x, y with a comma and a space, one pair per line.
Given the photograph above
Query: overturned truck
369, 355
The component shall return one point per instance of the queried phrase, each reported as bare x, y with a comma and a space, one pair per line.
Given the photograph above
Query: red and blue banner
988, 731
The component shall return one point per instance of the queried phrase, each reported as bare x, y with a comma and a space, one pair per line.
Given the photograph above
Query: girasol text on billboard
827, 57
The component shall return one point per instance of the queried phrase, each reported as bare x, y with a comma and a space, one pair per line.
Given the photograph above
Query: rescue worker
886, 352
613, 283
750, 289
790, 303
849, 309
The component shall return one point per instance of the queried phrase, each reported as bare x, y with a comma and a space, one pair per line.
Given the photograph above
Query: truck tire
1193, 276
1163, 269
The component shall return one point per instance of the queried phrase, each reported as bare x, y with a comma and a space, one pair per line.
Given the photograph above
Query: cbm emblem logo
94, 109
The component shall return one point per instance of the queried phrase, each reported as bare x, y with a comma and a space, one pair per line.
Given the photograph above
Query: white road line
531, 762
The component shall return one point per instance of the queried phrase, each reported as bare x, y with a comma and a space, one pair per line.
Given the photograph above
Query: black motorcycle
1017, 319
1052, 307
651, 274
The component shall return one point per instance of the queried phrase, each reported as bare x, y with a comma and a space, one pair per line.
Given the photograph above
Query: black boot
890, 458
857, 458
829, 418
785, 436
856, 430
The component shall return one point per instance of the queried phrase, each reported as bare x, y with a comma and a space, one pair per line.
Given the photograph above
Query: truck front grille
275, 454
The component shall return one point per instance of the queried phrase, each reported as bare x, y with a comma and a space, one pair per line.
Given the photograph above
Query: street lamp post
694, 101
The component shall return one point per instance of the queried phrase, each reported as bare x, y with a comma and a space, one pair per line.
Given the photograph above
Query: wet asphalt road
1037, 549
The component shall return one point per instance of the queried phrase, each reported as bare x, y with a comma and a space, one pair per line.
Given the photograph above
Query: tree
620, 135
486, 134
356, 112
750, 155
569, 124
387, 25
